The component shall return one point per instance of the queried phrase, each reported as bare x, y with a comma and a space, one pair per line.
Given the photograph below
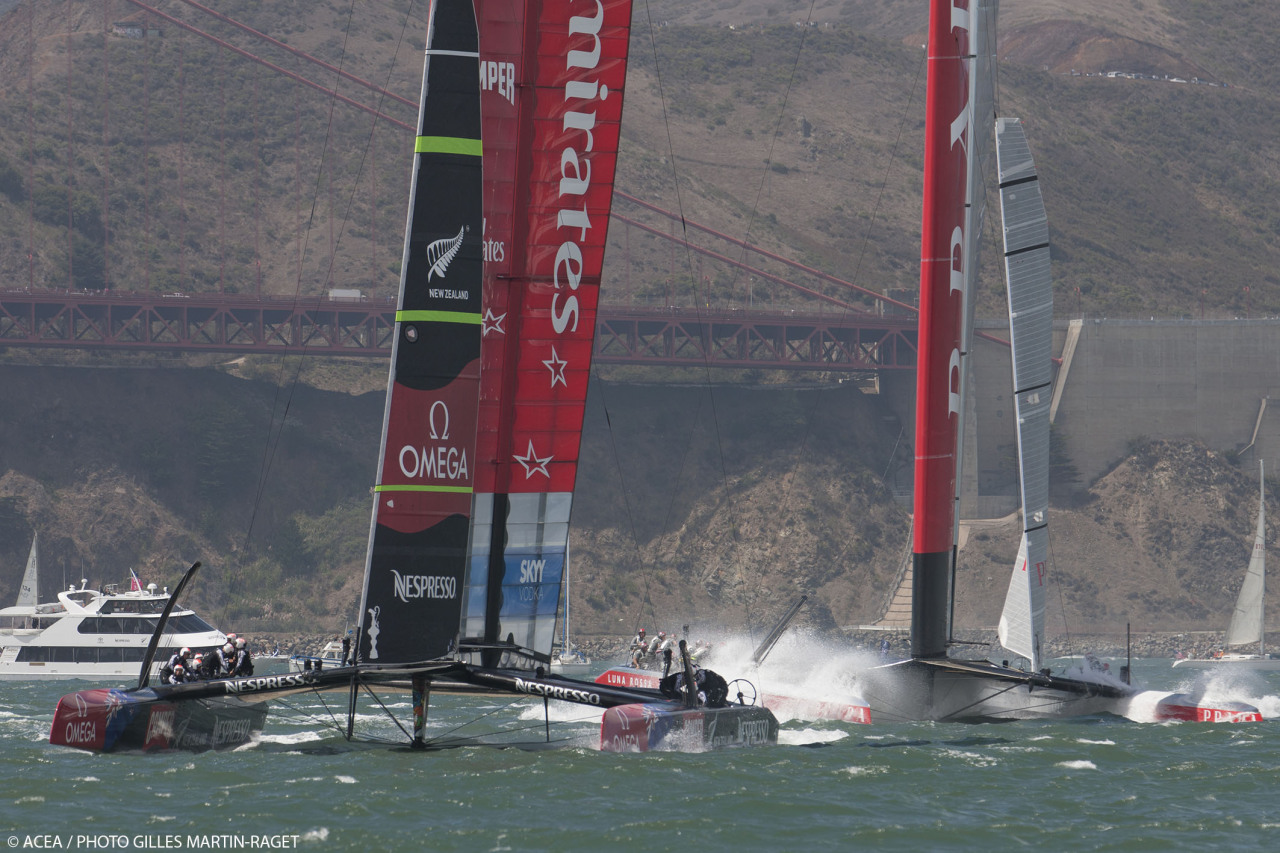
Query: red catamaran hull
855, 711
108, 719
645, 728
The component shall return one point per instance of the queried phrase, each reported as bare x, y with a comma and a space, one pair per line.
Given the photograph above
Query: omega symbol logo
439, 434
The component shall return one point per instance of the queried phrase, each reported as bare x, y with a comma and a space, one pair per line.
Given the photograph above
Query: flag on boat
135, 583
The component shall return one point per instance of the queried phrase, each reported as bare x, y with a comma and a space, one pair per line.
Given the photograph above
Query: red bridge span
721, 302
728, 338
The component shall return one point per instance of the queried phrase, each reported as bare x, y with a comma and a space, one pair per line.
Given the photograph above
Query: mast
942, 268
981, 115
564, 642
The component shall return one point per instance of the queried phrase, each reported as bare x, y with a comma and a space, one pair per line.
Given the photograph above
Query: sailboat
931, 685
568, 659
469, 531
1247, 625
29, 591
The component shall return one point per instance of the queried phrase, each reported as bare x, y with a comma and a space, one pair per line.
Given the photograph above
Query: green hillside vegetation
153, 468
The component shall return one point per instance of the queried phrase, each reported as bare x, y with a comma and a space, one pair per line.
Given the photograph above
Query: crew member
179, 658
713, 690
227, 659
207, 666
243, 665
639, 646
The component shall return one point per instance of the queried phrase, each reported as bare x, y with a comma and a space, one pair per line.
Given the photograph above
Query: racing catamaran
931, 685
500, 279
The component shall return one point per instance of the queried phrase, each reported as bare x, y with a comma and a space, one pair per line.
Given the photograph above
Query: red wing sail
942, 263
416, 564
552, 73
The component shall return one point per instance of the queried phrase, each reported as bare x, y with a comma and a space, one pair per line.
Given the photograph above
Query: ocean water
1087, 784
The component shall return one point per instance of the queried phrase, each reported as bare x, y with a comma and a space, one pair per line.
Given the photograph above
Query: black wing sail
415, 566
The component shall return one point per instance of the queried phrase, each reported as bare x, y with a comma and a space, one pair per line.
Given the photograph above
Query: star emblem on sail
442, 252
534, 464
490, 323
557, 365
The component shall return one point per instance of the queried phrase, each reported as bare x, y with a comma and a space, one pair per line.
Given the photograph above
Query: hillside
716, 505
804, 139
1158, 193
1161, 541
710, 506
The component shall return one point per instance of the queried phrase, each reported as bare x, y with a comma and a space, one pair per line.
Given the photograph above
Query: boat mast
564, 643
942, 266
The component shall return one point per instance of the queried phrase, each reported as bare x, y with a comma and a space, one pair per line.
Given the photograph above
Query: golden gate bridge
779, 314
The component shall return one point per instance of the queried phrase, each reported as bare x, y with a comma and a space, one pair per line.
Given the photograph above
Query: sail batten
1030, 290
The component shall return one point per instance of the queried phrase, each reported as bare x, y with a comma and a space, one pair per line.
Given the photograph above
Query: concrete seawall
1205, 380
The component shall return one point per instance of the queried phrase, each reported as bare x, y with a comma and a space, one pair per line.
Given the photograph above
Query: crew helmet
186, 652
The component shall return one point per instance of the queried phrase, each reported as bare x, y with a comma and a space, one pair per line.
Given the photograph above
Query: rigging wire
635, 534
706, 294
273, 441
705, 297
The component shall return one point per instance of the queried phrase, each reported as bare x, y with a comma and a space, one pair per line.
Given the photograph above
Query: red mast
947, 137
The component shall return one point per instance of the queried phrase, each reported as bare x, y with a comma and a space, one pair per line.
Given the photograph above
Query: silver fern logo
442, 252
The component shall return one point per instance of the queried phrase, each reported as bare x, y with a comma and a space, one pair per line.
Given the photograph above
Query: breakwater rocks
976, 644
984, 644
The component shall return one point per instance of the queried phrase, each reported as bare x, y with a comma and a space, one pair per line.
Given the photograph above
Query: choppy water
1091, 784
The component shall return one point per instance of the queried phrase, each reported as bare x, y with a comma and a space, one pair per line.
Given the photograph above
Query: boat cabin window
188, 623
86, 654
146, 605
